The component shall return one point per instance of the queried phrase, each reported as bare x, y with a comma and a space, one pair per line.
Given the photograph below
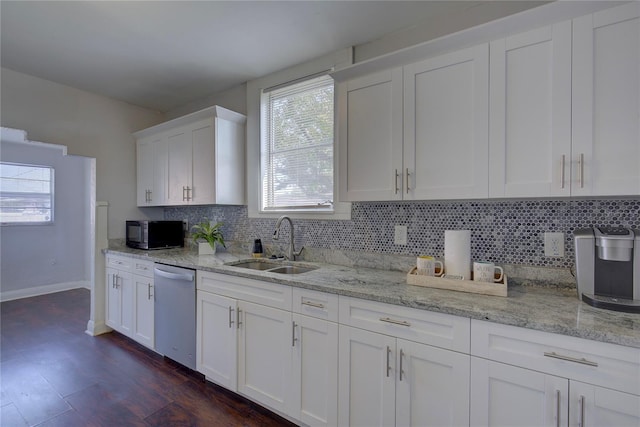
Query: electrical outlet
554, 244
400, 236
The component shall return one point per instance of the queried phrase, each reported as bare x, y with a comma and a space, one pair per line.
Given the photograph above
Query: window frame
51, 195
255, 129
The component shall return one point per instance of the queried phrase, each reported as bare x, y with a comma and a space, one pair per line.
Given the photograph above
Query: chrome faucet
291, 252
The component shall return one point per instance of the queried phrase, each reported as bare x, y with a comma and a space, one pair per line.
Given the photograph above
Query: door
204, 163
446, 115
264, 355
113, 308
530, 114
597, 406
124, 283
366, 387
151, 164
216, 345
315, 371
144, 310
505, 395
370, 137
432, 386
606, 102
179, 151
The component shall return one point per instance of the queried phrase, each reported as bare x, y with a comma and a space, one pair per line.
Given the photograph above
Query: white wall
89, 125
57, 255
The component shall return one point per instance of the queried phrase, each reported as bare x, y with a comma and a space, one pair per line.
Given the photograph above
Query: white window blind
26, 194
297, 152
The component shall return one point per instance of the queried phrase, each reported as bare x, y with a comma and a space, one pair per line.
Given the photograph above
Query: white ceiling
163, 54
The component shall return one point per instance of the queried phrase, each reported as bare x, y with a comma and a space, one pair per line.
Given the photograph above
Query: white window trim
341, 210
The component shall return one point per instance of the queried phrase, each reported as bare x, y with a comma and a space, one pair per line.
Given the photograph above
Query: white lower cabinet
590, 405
264, 354
129, 298
386, 381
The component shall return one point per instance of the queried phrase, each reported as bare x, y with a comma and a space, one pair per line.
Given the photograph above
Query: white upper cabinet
530, 113
197, 159
606, 102
370, 137
446, 126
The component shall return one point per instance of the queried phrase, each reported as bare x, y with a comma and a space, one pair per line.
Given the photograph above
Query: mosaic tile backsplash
504, 232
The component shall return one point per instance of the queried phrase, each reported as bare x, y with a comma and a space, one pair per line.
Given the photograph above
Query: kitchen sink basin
273, 267
290, 269
256, 265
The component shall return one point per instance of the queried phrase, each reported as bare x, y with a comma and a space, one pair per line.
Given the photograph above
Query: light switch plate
400, 237
554, 245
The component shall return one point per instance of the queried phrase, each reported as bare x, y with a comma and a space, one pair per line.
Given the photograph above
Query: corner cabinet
197, 159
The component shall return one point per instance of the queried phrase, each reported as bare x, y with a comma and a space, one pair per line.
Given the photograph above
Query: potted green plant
210, 233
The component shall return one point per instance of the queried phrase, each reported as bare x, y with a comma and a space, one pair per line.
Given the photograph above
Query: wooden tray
495, 289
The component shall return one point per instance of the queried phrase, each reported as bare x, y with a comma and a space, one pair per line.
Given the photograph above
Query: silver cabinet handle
557, 408
189, 195
293, 334
150, 198
395, 322
113, 280
388, 356
408, 174
396, 181
401, 370
230, 317
582, 420
581, 163
562, 172
582, 361
238, 317
149, 291
184, 189
313, 304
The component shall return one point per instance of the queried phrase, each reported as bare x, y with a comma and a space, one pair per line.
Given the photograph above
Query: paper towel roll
457, 253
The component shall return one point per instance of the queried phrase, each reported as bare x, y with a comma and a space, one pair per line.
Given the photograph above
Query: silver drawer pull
313, 304
395, 322
582, 361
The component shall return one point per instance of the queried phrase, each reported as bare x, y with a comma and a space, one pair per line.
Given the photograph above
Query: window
297, 146
26, 194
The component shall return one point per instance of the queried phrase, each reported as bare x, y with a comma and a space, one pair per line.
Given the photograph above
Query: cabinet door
178, 166
597, 406
366, 387
113, 308
127, 303
204, 164
216, 344
143, 326
370, 137
505, 395
432, 386
446, 121
606, 102
315, 371
530, 114
264, 355
151, 163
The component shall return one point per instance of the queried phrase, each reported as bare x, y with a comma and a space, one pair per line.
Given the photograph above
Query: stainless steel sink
290, 269
273, 267
256, 265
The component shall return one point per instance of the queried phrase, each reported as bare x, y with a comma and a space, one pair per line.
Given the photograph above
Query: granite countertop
535, 307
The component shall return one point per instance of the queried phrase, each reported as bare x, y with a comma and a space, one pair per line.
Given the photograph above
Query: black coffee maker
608, 267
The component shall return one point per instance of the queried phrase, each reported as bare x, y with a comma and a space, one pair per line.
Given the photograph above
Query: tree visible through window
26, 194
297, 157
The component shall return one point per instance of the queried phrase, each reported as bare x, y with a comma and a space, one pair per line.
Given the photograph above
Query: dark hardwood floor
53, 374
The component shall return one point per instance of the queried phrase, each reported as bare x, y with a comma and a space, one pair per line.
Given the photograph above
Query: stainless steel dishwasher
175, 313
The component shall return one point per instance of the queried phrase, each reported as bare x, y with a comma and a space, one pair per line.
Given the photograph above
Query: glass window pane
26, 194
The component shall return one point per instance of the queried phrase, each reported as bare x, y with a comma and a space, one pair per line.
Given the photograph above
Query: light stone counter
534, 307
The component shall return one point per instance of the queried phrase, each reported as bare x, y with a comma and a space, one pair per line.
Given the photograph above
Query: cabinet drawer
256, 291
437, 329
315, 304
142, 268
119, 262
597, 363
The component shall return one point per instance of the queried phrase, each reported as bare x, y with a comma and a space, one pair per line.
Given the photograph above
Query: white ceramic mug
486, 272
427, 266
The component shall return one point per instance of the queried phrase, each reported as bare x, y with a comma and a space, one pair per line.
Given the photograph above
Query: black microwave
146, 234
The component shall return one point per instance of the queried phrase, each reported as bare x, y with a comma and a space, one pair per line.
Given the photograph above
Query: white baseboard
43, 290
95, 329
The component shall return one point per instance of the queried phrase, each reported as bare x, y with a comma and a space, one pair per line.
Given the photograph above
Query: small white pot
204, 248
